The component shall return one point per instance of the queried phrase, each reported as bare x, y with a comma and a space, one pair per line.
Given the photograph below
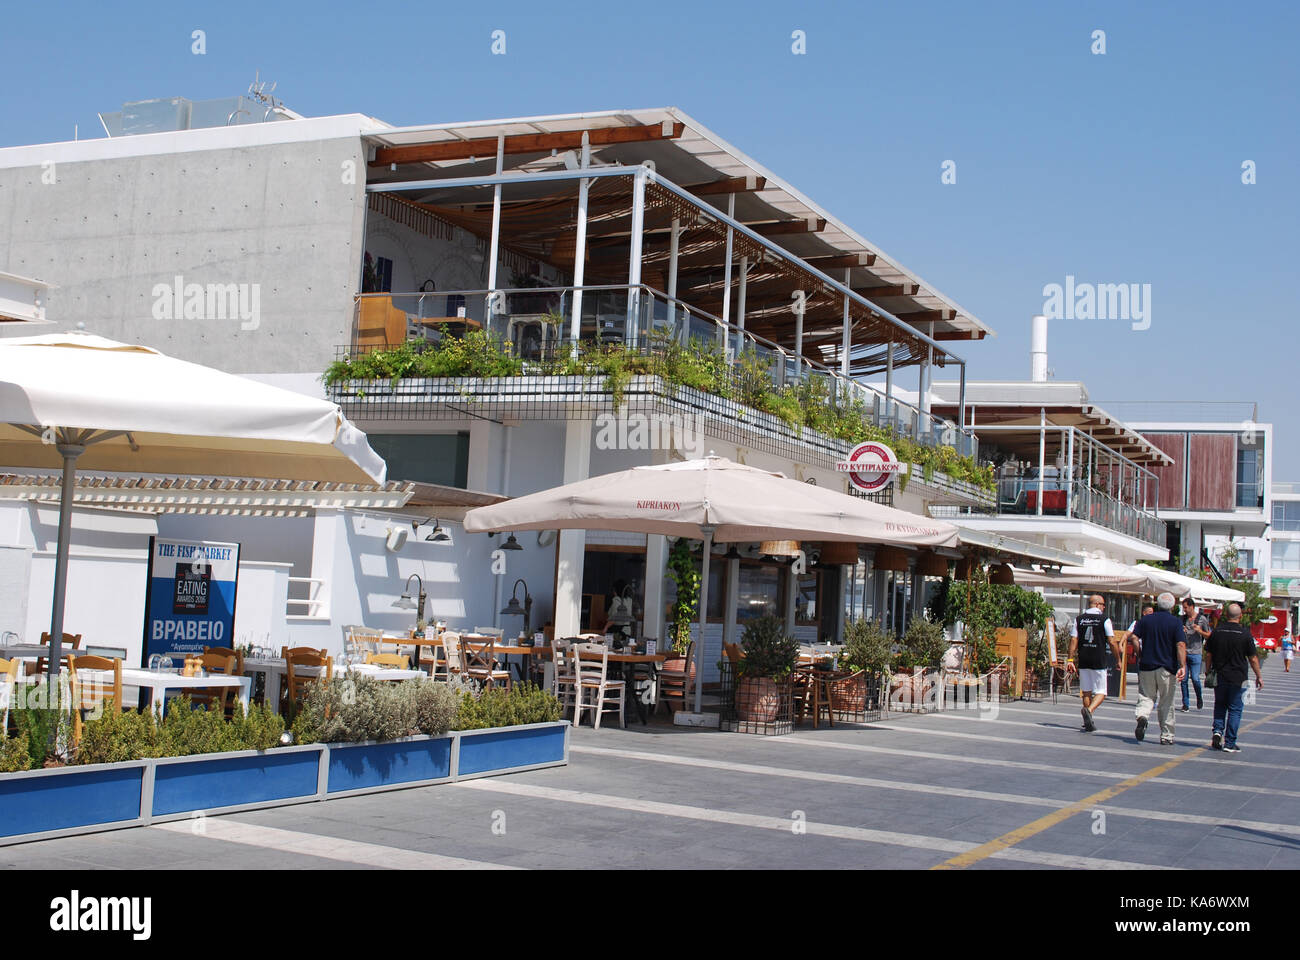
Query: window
1286, 515
428, 458
1286, 554
807, 610
760, 592
1249, 489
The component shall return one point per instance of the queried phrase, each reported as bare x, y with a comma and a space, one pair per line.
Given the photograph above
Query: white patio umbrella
711, 499
1202, 591
76, 400
1096, 573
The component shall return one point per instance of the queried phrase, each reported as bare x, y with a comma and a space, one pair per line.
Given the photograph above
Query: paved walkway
1024, 788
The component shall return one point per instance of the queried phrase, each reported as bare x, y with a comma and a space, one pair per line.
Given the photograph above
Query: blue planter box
485, 752
41, 804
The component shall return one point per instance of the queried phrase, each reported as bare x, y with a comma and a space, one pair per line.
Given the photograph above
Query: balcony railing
536, 324
1074, 499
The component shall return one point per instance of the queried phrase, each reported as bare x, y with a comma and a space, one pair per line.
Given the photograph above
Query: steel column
634, 256
580, 244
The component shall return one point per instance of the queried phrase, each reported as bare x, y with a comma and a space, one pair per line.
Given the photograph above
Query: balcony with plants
639, 349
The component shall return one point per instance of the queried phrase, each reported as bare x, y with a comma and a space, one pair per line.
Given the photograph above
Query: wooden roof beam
486, 147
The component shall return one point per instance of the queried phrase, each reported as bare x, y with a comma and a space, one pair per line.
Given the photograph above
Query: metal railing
537, 325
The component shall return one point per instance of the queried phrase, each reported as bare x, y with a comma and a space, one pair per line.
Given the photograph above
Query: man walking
1089, 639
1228, 651
1162, 662
1195, 630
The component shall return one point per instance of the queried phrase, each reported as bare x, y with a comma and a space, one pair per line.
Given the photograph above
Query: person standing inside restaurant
1195, 630
1090, 639
1228, 651
1162, 662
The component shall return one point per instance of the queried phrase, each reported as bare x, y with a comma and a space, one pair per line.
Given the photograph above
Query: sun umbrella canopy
1096, 573
74, 401
739, 503
150, 413
1201, 591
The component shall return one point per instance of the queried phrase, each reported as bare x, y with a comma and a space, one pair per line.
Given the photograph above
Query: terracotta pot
849, 695
757, 699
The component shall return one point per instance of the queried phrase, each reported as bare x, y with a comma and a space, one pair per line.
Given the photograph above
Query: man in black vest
1089, 640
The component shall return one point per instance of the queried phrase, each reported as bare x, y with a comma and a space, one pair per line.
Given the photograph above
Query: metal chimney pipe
1038, 349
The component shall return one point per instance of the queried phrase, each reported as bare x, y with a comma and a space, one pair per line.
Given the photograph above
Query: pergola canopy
538, 221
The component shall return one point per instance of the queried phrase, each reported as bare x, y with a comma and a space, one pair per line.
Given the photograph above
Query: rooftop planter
475, 370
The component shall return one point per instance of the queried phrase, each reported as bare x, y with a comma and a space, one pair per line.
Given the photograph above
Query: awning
1011, 547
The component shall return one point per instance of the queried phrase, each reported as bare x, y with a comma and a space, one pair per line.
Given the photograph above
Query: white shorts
1286, 654
1092, 681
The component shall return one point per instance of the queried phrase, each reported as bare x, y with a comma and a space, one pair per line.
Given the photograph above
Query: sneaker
1185, 708
1216, 741
1087, 720
1166, 742
1232, 749
1200, 704
1141, 730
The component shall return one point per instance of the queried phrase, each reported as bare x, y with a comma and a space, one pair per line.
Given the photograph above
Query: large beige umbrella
711, 499
75, 400
1201, 591
1096, 573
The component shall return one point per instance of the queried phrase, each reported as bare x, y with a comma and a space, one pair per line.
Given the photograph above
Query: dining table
276, 669
158, 682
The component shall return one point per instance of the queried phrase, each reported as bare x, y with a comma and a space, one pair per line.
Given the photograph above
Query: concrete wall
279, 216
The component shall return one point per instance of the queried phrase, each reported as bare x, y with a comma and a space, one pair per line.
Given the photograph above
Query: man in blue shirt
1162, 664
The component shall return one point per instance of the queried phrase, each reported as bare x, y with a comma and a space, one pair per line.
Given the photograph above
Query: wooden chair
380, 325
444, 659
229, 652
395, 660
214, 663
563, 679
478, 662
595, 691
296, 683
362, 640
71, 643
679, 685
8, 683
287, 652
91, 691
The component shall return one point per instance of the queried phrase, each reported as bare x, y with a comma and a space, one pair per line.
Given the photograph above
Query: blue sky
1119, 168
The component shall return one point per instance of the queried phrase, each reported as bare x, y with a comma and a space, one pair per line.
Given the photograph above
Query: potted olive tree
867, 655
770, 657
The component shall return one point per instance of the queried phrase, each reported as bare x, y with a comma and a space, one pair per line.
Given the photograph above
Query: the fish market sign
871, 466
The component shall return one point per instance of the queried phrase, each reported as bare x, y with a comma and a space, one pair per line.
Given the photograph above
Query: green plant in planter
769, 650
924, 644
687, 577
14, 755
867, 647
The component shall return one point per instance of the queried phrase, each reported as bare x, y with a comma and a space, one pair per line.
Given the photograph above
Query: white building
273, 248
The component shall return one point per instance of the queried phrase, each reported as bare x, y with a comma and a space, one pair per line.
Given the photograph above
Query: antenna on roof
258, 91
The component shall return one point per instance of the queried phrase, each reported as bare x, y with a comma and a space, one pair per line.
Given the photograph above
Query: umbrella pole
704, 616
70, 451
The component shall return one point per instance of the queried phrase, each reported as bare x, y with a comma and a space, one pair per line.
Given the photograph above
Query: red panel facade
1172, 494
1211, 471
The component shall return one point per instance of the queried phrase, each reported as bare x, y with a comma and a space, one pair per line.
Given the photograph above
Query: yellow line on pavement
1046, 822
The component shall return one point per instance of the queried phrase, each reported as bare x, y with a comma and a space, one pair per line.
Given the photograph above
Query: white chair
563, 678
442, 667
8, 682
360, 641
595, 691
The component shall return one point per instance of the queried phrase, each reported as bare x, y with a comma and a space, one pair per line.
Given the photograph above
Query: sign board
871, 466
1285, 587
189, 597
1051, 639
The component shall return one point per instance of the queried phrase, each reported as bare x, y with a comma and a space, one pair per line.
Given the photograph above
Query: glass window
429, 458
760, 591
1286, 515
807, 609
1286, 554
